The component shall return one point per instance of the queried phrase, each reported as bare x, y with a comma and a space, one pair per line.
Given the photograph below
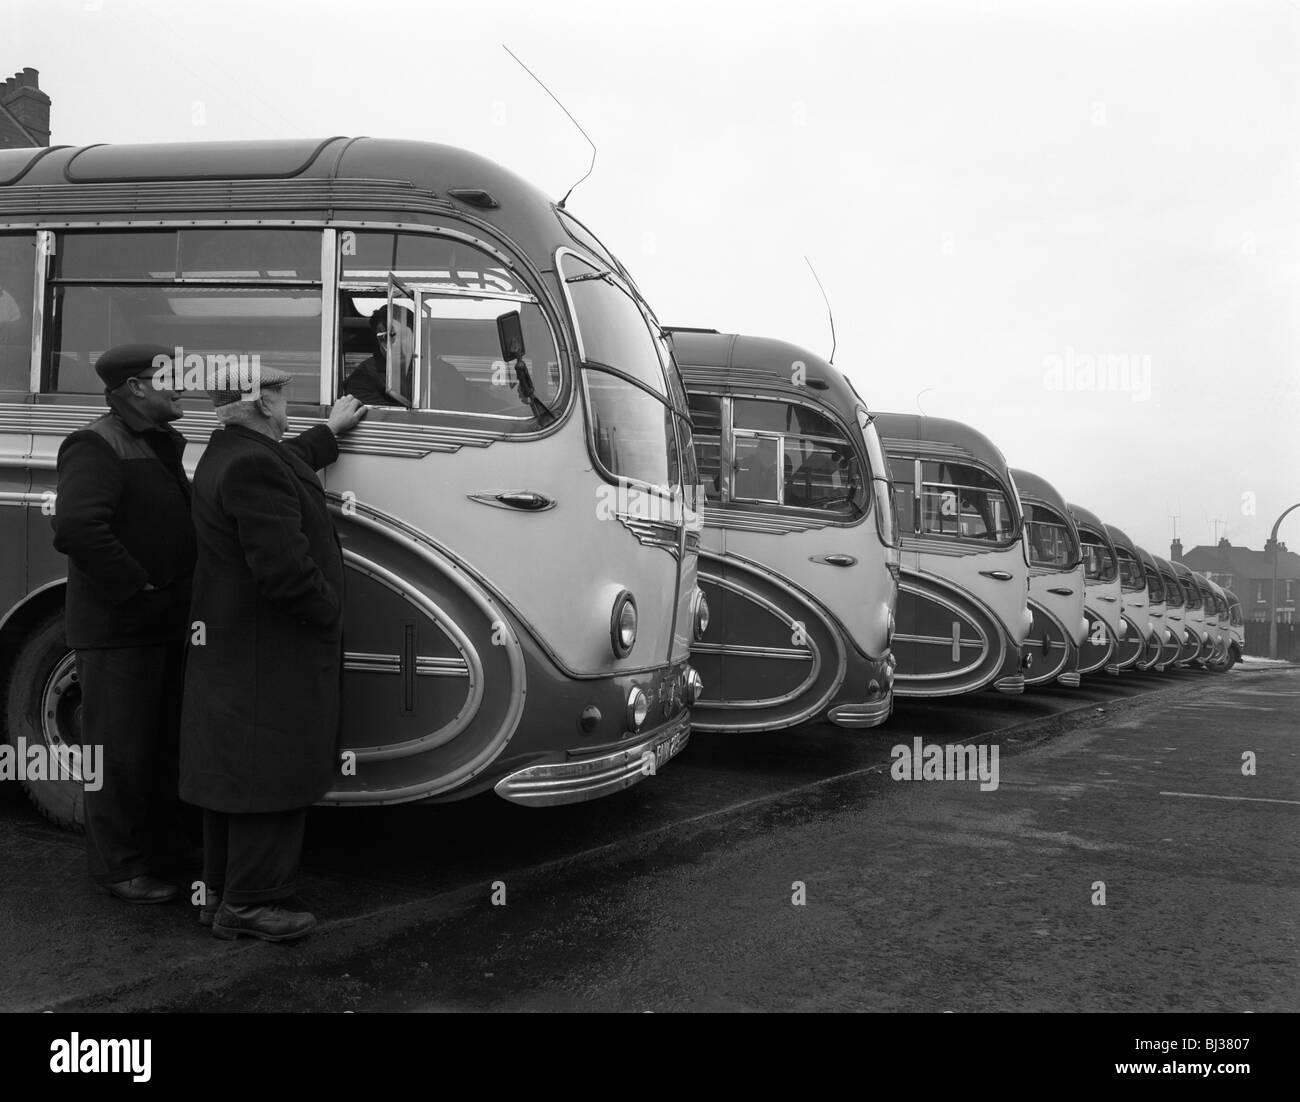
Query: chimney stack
22, 98
1176, 550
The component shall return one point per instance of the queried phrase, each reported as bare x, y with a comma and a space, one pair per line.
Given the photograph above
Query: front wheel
43, 713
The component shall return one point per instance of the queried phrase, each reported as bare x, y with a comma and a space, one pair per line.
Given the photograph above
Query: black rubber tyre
43, 708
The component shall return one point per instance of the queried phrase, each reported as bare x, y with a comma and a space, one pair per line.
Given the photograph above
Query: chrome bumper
1011, 685
1070, 679
871, 713
580, 779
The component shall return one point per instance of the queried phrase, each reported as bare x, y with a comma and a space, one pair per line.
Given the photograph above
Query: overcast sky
990, 192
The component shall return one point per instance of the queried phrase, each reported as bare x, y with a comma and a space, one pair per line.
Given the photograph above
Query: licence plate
668, 748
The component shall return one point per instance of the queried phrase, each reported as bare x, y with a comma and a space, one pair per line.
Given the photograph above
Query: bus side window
251, 294
706, 417
802, 459
754, 473
453, 295
962, 501
902, 471
17, 275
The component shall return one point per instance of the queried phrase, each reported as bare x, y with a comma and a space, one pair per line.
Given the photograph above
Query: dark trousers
131, 706
252, 857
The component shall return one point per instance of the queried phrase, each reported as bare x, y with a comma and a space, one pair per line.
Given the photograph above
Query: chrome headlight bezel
638, 708
621, 639
692, 686
699, 614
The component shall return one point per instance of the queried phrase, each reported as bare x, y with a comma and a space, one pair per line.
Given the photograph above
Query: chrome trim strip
937, 640
329, 331
27, 599
44, 255
753, 652
425, 666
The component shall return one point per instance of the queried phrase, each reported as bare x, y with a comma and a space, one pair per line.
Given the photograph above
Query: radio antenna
575, 122
828, 307
921, 408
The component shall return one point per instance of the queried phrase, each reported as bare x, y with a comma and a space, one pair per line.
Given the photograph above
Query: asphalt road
677, 895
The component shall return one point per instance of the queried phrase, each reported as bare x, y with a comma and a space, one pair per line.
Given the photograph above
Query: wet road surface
678, 893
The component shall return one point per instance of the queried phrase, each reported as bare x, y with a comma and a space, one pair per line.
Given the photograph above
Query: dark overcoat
123, 520
259, 730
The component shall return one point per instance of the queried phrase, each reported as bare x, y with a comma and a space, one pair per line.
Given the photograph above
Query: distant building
24, 112
1249, 574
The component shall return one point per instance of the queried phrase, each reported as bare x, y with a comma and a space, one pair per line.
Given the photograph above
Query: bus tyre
43, 708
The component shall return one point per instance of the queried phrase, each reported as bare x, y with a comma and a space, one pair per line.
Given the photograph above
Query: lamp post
1272, 614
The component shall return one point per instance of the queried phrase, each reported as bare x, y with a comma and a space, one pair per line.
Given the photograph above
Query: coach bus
519, 524
1162, 644
1186, 642
1216, 625
1193, 615
1056, 582
799, 559
963, 611
1237, 627
1101, 593
1131, 644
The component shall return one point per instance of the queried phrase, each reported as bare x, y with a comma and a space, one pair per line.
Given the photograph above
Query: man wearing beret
259, 731
123, 520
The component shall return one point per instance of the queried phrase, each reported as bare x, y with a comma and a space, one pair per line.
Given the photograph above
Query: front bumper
1013, 685
870, 713
581, 778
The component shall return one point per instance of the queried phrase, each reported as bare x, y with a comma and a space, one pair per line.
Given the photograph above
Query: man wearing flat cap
259, 731
123, 520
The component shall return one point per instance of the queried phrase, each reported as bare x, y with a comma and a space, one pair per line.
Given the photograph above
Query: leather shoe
143, 889
208, 912
268, 921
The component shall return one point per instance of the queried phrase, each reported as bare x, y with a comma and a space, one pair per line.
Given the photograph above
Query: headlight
692, 685
700, 614
622, 625
638, 707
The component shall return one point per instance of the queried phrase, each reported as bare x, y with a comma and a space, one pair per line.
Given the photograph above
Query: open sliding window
1099, 563
792, 455
421, 322
1131, 578
206, 292
1051, 539
770, 452
962, 501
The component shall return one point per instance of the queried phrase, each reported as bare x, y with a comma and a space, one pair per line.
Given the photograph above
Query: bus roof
1090, 519
1120, 538
903, 431
1034, 487
737, 361
70, 183
1147, 558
